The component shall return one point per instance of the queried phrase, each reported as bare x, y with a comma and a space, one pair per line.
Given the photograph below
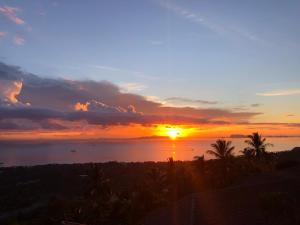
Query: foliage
118, 193
222, 149
257, 145
279, 208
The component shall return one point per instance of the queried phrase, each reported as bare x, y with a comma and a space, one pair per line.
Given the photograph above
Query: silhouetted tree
171, 161
157, 184
222, 149
199, 163
257, 144
248, 152
99, 197
157, 178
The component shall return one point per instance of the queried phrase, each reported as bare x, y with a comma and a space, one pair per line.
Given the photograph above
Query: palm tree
257, 144
222, 149
248, 152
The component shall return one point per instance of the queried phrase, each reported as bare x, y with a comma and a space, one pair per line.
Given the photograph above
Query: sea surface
67, 152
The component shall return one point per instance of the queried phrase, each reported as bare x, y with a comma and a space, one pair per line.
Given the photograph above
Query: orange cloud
81, 106
9, 90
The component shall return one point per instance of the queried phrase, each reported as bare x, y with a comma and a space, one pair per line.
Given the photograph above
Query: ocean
29, 153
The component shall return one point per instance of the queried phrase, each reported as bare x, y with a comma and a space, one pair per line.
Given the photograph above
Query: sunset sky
124, 69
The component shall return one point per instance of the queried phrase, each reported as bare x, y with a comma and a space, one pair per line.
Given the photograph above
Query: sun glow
173, 132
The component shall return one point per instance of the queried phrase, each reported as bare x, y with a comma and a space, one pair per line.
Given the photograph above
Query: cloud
27, 125
280, 93
81, 106
8, 125
109, 68
104, 116
132, 87
189, 100
271, 124
97, 103
290, 115
255, 105
218, 28
11, 14
190, 16
9, 90
18, 40
2, 34
115, 69
240, 108
121, 70
95, 106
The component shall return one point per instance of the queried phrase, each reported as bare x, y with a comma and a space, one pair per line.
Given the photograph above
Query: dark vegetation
117, 193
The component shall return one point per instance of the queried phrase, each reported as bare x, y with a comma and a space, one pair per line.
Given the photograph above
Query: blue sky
234, 52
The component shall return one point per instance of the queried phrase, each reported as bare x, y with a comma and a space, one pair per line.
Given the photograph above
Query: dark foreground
241, 191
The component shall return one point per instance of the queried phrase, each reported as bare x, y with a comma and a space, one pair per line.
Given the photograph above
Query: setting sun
174, 132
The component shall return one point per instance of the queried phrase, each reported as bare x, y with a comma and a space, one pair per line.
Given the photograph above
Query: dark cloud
30, 113
29, 124
103, 118
240, 108
8, 125
256, 105
106, 104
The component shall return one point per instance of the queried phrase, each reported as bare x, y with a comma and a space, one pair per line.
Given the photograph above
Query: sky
133, 68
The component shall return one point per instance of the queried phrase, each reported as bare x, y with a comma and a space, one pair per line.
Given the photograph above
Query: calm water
24, 154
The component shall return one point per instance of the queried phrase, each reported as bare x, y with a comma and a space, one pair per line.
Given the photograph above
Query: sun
173, 132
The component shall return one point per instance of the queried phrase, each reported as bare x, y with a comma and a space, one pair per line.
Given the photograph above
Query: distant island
269, 136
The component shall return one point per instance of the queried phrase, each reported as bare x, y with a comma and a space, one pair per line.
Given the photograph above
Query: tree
248, 152
157, 186
257, 144
199, 162
222, 149
156, 179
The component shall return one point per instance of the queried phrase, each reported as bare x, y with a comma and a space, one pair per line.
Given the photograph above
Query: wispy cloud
191, 16
280, 93
113, 69
156, 42
18, 40
219, 28
132, 87
121, 70
189, 100
2, 34
11, 14
256, 105
290, 115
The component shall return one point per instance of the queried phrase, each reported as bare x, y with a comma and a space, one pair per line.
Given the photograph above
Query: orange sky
137, 131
